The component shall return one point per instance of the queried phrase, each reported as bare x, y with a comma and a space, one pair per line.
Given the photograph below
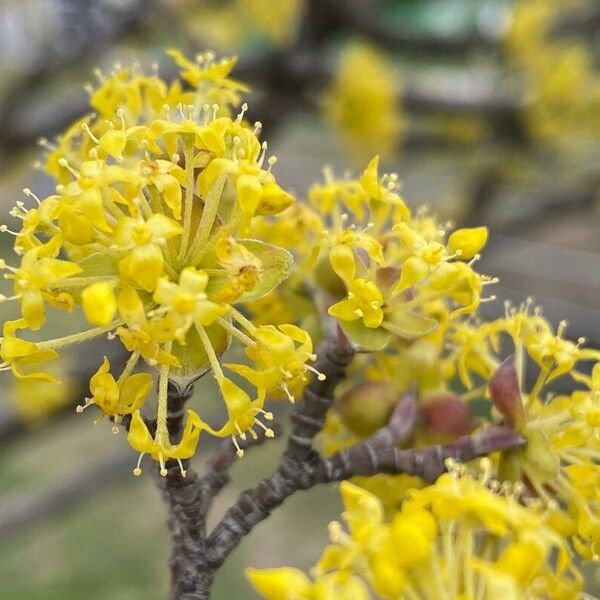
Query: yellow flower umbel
363, 102
144, 233
561, 79
455, 539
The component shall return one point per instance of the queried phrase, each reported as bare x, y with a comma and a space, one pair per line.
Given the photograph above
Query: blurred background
489, 111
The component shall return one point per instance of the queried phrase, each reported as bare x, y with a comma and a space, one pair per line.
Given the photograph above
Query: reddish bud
506, 394
447, 415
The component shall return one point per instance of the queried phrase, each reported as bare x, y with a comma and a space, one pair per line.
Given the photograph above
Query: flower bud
446, 415
368, 406
327, 279
505, 392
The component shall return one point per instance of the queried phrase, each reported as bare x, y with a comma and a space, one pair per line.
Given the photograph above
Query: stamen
266, 414
30, 194
5, 229
242, 112
473, 260
261, 158
181, 469
239, 452
65, 164
81, 407
163, 468
271, 161
87, 129
268, 431
289, 395
240, 432
138, 470
561, 328
121, 117
320, 376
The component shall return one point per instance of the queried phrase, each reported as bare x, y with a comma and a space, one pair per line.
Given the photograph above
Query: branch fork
197, 554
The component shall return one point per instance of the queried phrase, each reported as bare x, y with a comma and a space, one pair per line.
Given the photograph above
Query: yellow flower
121, 397
186, 302
555, 354
99, 303
144, 263
443, 542
243, 413
425, 257
279, 363
243, 269
363, 101
256, 189
381, 194
141, 334
34, 279
292, 584
216, 74
364, 302
153, 189
139, 438
19, 355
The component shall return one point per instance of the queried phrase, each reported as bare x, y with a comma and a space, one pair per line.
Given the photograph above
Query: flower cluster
363, 102
238, 23
465, 382
387, 276
560, 75
459, 538
148, 233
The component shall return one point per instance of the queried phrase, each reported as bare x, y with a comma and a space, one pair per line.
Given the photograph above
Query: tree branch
302, 467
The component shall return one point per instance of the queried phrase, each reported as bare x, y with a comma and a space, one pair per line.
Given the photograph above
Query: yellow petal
139, 437
113, 143
134, 391
249, 193
279, 584
342, 262
414, 270
468, 242
99, 303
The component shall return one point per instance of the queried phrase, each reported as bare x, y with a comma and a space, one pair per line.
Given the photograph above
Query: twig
378, 454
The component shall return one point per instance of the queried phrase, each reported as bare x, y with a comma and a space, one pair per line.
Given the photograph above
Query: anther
320, 376
87, 129
242, 112
239, 452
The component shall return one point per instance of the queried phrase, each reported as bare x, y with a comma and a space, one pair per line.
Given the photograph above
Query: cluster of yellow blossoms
363, 102
170, 232
406, 293
559, 71
475, 539
148, 233
456, 539
238, 23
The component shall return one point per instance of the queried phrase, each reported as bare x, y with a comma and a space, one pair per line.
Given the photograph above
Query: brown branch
378, 454
189, 500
